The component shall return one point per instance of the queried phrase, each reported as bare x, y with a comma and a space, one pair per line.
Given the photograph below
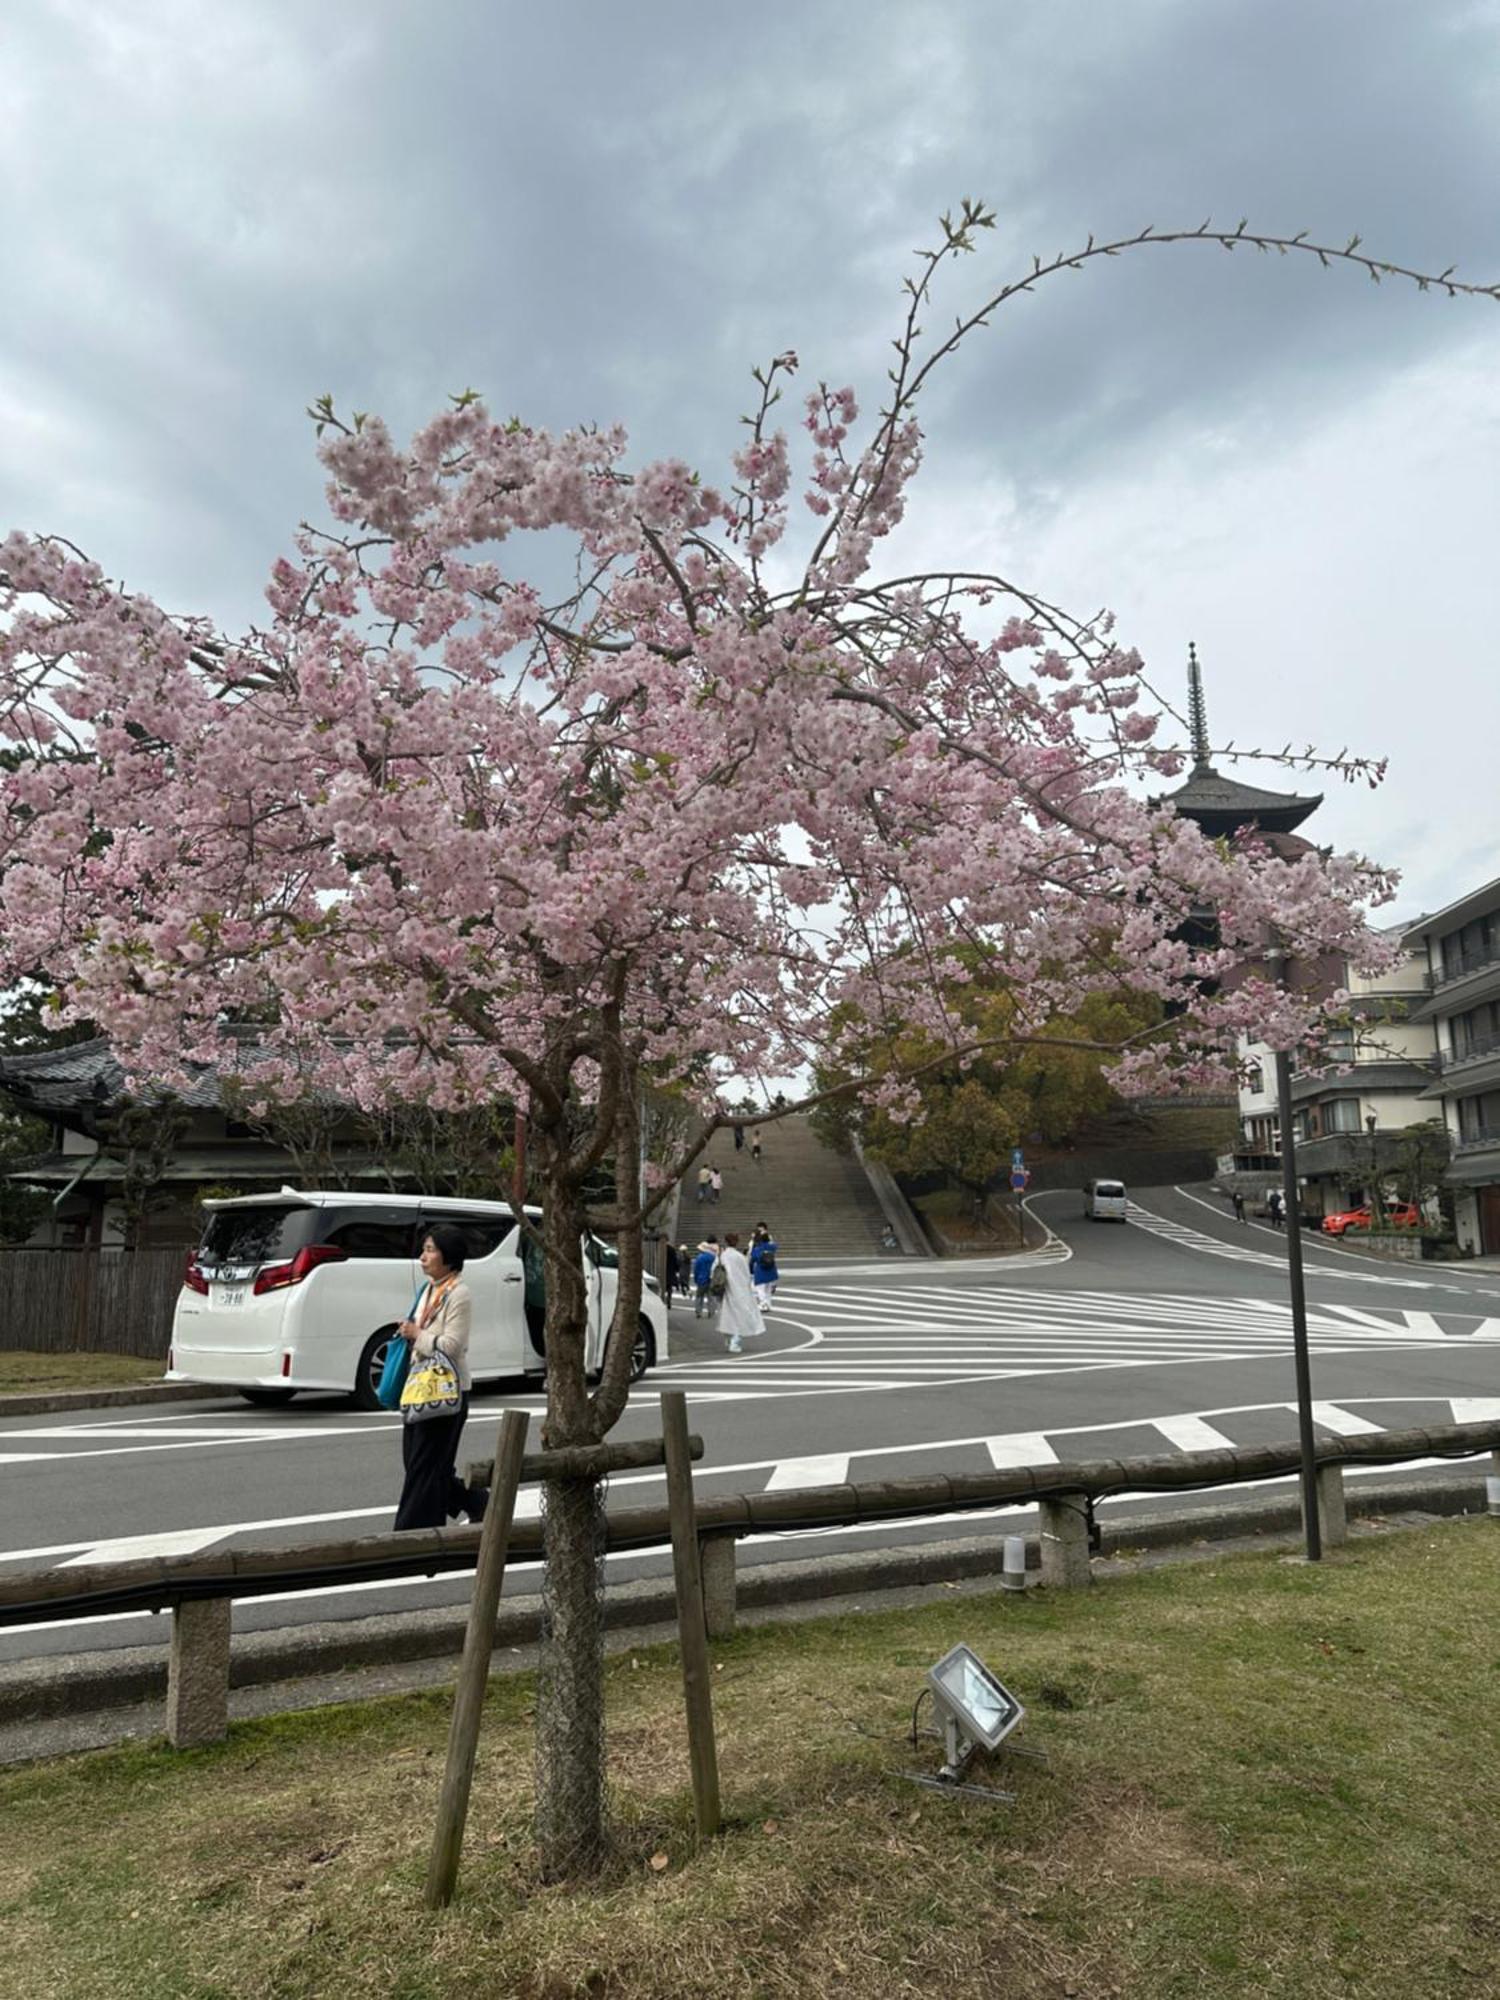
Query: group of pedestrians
711, 1180
727, 1284
1275, 1206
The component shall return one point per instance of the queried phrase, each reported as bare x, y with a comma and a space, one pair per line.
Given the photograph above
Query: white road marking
1192, 1434
1342, 1422
1475, 1409
1020, 1448
828, 1469
174, 1542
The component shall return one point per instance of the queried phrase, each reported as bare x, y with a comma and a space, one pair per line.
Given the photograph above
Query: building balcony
1477, 1050
1363, 1076
1476, 1159
1477, 980
1466, 1072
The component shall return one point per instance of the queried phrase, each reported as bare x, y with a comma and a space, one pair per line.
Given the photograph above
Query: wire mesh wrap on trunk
570, 1795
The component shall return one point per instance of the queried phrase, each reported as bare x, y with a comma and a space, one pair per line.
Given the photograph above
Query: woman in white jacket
432, 1491
739, 1310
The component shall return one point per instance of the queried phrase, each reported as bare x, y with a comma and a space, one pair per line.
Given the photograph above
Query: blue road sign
1017, 1159
1018, 1181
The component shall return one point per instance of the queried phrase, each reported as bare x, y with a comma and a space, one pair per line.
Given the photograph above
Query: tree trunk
570, 1684
570, 1829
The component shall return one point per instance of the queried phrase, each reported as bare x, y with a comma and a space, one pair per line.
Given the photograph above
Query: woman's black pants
432, 1491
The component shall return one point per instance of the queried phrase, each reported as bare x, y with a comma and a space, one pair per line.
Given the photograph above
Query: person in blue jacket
764, 1274
704, 1259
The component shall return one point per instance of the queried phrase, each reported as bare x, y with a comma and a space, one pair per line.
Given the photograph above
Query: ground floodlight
976, 1713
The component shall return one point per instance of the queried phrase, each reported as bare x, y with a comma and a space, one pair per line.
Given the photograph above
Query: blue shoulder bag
397, 1363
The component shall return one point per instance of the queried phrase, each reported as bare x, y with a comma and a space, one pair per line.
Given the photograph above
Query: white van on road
302, 1290
1104, 1201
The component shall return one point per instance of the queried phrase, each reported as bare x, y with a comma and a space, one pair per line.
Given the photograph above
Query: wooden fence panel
72, 1301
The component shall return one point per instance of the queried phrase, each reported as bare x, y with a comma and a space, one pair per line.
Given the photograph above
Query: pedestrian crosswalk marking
1020, 1448
1476, 1409
1188, 1238
1182, 1431
860, 1339
1192, 1434
831, 1469
1342, 1422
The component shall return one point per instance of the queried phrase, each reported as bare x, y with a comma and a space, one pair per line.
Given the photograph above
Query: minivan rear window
1111, 1189
260, 1235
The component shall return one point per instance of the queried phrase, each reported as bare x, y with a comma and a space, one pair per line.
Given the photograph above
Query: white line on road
175, 1542
827, 1469
1014, 1449
1192, 1434
1020, 1448
1342, 1422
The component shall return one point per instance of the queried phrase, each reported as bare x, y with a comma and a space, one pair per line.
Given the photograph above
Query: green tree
971, 1113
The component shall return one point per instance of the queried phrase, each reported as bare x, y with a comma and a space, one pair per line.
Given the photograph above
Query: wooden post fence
474, 1670
692, 1628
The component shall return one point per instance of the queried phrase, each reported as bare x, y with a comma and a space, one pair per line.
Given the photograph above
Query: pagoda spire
1224, 806
1197, 712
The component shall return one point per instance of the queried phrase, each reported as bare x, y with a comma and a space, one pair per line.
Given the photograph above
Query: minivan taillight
276, 1277
192, 1277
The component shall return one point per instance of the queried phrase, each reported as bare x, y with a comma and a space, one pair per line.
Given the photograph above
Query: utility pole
1292, 1203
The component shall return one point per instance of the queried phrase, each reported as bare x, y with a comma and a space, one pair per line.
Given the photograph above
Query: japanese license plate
231, 1295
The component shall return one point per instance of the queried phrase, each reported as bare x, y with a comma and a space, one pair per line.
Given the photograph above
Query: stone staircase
818, 1204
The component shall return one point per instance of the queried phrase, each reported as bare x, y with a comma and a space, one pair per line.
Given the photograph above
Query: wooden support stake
692, 1630
474, 1669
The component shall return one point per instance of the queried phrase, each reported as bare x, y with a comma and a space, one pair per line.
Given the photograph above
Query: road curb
49, 1403
45, 1688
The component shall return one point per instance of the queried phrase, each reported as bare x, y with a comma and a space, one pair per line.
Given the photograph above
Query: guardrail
199, 1589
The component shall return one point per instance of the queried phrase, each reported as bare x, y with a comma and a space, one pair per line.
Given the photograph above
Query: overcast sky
610, 209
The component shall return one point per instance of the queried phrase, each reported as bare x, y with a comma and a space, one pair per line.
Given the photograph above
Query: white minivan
302, 1290
1104, 1201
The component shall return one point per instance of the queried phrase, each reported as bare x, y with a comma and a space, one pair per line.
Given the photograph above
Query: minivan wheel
642, 1352
371, 1368
268, 1399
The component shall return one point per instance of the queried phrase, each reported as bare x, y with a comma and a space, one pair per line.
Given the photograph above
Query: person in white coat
739, 1311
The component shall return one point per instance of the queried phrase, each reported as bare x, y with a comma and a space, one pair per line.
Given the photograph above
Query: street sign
1017, 1159
1018, 1181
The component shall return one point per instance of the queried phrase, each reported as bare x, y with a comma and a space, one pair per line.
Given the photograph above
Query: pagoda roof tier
1222, 805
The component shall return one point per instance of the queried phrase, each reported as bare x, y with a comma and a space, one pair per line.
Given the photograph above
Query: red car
1395, 1215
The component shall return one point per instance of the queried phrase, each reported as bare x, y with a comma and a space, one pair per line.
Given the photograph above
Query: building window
1255, 1080
1342, 1115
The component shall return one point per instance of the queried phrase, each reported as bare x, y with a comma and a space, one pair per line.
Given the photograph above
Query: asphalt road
1170, 1332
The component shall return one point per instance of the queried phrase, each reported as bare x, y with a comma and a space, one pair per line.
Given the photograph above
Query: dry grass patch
1264, 1780
27, 1371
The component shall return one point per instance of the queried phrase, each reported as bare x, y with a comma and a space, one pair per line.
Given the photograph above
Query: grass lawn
1264, 1780
23, 1369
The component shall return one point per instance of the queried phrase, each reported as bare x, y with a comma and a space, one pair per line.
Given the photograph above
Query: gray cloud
593, 211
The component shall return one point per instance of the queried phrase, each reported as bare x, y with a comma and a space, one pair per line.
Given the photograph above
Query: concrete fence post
719, 1599
1065, 1542
1332, 1516
198, 1672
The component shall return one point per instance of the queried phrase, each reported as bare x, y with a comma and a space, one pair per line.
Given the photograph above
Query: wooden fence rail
89, 1301
200, 1588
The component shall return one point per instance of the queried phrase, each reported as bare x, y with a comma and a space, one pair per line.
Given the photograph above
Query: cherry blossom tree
718, 813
